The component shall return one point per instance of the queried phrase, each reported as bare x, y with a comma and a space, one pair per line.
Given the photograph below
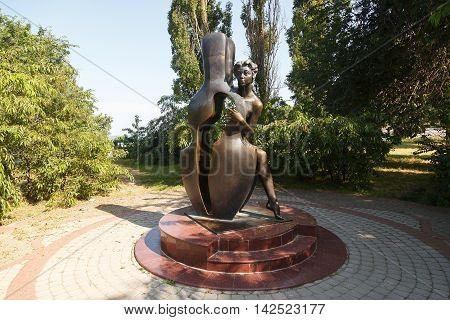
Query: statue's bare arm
256, 113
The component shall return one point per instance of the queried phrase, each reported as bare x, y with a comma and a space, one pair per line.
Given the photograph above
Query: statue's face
244, 76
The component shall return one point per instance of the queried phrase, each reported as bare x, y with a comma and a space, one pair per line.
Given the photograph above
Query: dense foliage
440, 160
378, 56
344, 149
386, 59
159, 142
52, 146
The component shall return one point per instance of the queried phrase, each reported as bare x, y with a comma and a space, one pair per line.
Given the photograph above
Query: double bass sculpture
220, 179
216, 242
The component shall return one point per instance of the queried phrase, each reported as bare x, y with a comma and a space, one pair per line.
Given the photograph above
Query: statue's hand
236, 116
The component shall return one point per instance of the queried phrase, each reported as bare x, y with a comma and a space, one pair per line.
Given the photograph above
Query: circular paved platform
395, 251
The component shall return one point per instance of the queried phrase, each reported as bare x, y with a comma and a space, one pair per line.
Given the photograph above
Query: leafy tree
378, 59
133, 139
376, 56
166, 134
317, 40
52, 146
440, 148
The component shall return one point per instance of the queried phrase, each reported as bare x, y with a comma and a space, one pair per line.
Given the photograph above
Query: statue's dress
217, 179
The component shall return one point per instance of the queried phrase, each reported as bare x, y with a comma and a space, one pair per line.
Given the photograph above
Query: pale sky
129, 40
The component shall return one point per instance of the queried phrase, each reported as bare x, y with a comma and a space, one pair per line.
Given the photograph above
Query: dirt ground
30, 222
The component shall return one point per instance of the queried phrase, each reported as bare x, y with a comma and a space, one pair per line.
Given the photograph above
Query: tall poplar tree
189, 21
261, 19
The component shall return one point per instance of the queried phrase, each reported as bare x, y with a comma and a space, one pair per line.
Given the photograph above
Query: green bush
440, 160
345, 149
9, 194
52, 146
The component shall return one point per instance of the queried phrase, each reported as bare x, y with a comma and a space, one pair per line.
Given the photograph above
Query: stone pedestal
252, 252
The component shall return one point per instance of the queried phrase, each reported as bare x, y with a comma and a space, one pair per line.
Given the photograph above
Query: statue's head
245, 72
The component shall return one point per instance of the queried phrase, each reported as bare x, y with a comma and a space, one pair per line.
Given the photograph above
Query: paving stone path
396, 250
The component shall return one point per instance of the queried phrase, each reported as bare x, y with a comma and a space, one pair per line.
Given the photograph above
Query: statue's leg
265, 175
267, 181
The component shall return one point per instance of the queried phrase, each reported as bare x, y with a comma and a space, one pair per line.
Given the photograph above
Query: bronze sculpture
245, 72
220, 242
212, 188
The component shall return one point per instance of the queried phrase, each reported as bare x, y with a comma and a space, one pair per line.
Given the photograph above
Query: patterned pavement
394, 253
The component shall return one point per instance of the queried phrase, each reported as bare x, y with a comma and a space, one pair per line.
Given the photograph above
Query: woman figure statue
245, 73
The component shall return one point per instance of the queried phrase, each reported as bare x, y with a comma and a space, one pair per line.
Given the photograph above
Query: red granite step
188, 242
291, 253
261, 238
327, 258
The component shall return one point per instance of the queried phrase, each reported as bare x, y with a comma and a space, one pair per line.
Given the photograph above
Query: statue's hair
246, 63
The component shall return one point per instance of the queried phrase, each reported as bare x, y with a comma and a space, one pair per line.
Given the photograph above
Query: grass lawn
404, 176
155, 177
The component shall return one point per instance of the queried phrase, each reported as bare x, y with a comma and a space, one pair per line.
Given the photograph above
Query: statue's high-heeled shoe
275, 207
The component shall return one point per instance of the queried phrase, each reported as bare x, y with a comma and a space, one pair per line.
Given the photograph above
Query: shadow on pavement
133, 215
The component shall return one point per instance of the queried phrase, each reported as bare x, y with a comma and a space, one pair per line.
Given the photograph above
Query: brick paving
396, 250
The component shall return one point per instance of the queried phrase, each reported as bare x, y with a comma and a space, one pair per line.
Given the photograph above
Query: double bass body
217, 179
